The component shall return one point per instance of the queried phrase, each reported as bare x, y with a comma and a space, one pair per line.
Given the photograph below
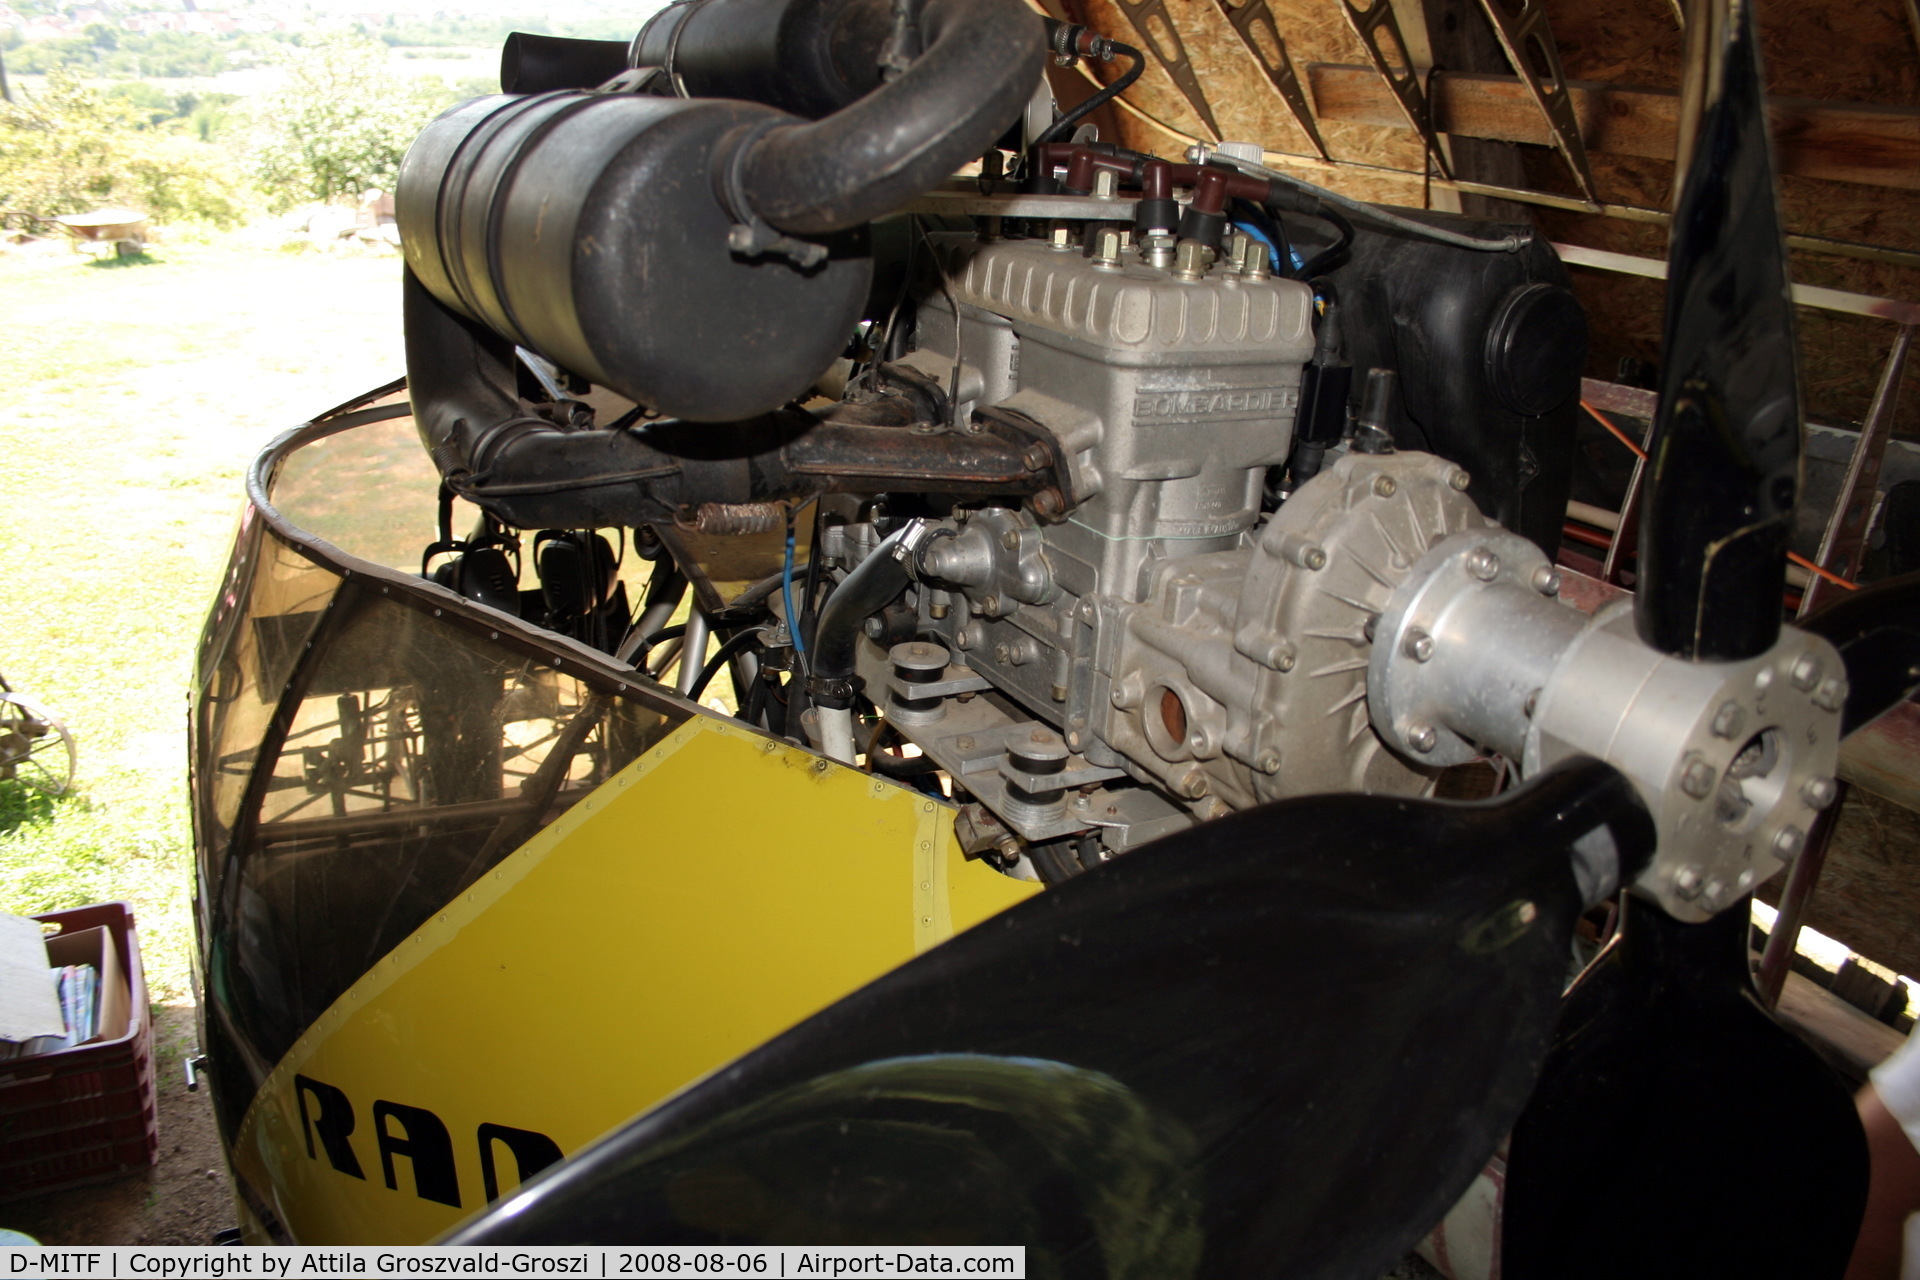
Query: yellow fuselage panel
717, 891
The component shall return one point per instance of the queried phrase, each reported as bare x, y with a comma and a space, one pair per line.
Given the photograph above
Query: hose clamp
750, 236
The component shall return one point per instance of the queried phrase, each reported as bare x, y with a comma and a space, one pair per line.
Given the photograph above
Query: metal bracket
1528, 39
1254, 21
1844, 544
1155, 25
1402, 80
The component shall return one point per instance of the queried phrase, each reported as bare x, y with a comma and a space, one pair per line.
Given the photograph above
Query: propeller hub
1733, 759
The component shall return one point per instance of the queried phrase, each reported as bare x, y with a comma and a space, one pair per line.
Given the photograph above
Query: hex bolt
1422, 737
964, 637
1107, 247
1806, 672
1003, 653
1686, 882
1819, 792
1010, 540
1729, 719
1713, 892
1788, 843
1062, 237
1193, 784
991, 606
1105, 184
1189, 260
1831, 695
1384, 487
1483, 564
1269, 762
1459, 480
1417, 645
1697, 778
1314, 558
1074, 739
1546, 580
873, 627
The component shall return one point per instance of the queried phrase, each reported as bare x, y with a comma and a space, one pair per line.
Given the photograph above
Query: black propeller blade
1877, 631
1679, 1130
1278, 1044
1725, 449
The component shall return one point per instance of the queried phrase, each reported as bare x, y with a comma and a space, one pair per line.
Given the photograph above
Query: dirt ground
183, 1199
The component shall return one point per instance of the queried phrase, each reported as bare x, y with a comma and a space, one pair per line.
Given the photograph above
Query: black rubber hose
1334, 254
1064, 126
978, 64
860, 594
541, 64
721, 656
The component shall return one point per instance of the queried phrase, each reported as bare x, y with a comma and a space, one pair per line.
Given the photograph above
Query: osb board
1246, 106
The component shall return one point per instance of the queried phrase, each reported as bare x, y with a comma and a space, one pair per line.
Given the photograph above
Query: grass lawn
135, 395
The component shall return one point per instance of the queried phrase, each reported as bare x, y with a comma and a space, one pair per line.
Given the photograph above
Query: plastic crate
88, 1113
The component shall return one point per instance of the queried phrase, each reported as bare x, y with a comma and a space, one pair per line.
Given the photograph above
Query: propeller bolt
1418, 645
1422, 737
1806, 672
1546, 580
1384, 486
1819, 792
1787, 844
1697, 778
1728, 720
1459, 480
1831, 695
1713, 893
1686, 882
1483, 564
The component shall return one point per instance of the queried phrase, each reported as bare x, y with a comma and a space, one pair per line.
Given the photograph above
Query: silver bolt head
1713, 892
1697, 778
1729, 719
1806, 672
1789, 842
1459, 479
1314, 558
1269, 762
1546, 580
1074, 740
1422, 737
1483, 564
1010, 540
964, 637
1686, 882
1417, 645
1193, 784
1831, 695
991, 606
1002, 653
1384, 486
1819, 792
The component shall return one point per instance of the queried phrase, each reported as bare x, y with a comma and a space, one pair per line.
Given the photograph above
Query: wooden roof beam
1838, 141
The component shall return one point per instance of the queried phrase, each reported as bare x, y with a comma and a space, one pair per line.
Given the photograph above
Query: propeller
1226, 1054
1678, 1128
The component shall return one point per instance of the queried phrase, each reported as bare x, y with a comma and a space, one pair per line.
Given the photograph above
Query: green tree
67, 148
340, 124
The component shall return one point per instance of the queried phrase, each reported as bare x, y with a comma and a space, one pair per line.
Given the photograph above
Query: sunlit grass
135, 400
